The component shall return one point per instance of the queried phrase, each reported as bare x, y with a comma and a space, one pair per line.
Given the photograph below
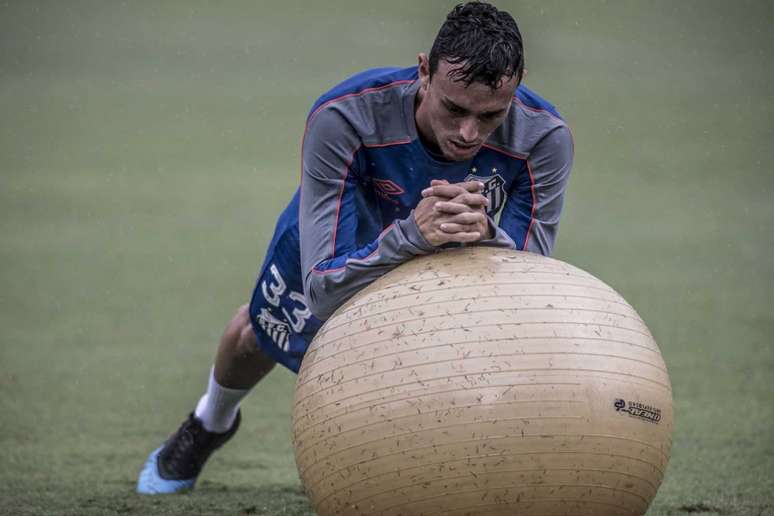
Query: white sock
218, 408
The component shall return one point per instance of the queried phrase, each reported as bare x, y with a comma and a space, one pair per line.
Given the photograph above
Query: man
397, 163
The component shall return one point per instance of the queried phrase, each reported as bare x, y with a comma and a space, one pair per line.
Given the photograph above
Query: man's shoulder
531, 118
368, 81
368, 109
527, 99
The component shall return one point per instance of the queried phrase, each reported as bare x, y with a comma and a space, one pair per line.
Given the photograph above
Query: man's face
455, 118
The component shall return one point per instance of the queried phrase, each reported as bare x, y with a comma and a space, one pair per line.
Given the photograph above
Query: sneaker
175, 465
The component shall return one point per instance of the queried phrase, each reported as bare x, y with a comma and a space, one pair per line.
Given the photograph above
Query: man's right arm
334, 267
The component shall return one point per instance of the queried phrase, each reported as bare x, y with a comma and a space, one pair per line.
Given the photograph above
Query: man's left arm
530, 217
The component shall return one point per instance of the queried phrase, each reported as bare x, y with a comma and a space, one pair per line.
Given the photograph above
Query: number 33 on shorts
291, 303
283, 323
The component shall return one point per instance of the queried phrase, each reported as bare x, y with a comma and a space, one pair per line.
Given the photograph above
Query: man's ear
424, 70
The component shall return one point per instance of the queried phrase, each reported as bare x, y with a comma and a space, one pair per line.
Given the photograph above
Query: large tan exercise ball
483, 381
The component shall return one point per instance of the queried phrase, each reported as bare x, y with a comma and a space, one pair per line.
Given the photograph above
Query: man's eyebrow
493, 113
451, 103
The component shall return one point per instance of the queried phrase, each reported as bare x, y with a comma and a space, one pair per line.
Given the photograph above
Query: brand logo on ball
638, 410
493, 189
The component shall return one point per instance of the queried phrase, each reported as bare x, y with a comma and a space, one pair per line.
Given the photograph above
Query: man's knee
248, 347
235, 327
242, 316
245, 341
240, 362
240, 328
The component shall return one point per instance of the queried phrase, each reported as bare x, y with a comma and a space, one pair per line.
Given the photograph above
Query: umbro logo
387, 190
387, 187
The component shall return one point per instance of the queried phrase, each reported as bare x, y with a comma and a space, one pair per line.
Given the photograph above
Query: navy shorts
283, 324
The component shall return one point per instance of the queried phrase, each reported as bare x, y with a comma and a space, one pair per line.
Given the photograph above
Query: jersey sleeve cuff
500, 238
413, 236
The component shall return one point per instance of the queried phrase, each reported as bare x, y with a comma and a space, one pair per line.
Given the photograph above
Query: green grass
145, 151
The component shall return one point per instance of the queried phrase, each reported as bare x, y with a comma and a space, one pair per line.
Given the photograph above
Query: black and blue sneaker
176, 464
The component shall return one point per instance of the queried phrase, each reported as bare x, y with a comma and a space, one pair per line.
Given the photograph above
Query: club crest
494, 189
276, 329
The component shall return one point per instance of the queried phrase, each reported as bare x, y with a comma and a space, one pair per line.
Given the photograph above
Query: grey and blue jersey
363, 171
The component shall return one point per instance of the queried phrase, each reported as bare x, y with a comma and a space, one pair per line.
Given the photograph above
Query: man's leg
239, 365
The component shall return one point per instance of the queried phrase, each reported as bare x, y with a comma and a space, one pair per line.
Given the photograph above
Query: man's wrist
410, 228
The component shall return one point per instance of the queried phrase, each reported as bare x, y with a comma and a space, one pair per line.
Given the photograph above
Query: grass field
146, 149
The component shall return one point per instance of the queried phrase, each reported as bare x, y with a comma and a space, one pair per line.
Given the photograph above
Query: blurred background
146, 149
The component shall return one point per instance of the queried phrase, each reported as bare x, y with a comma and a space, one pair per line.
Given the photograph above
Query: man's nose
469, 130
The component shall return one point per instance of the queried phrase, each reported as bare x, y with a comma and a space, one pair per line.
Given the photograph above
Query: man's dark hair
485, 40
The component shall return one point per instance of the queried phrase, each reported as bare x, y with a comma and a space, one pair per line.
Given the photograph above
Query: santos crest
493, 189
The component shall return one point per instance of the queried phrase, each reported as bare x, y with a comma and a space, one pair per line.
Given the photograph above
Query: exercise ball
483, 381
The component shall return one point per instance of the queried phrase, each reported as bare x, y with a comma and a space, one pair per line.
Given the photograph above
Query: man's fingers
451, 207
461, 215
461, 203
464, 238
452, 190
453, 227
470, 217
474, 200
472, 186
452, 212
443, 190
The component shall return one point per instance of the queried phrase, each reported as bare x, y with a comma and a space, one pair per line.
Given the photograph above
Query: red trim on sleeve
338, 203
534, 204
387, 144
